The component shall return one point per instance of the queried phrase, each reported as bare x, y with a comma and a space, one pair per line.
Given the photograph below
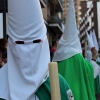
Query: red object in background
53, 49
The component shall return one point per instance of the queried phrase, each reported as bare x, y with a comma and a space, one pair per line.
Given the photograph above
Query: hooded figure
25, 76
90, 46
94, 53
95, 40
93, 48
92, 43
77, 71
93, 61
28, 50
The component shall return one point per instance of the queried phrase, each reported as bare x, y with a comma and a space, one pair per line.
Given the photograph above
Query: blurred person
76, 70
4, 57
93, 58
96, 73
3, 45
94, 63
25, 75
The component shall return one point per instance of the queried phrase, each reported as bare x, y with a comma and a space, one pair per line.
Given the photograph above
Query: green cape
78, 73
43, 92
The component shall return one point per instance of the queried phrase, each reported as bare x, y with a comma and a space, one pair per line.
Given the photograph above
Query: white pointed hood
27, 64
90, 41
90, 46
95, 40
69, 43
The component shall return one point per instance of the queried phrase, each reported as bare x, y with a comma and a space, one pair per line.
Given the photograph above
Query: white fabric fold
89, 55
96, 68
27, 68
95, 40
90, 41
4, 86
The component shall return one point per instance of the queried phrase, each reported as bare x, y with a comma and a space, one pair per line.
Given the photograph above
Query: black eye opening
22, 42
19, 42
37, 41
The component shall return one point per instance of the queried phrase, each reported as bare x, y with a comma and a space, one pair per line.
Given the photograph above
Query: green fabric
78, 73
43, 92
98, 63
2, 99
97, 85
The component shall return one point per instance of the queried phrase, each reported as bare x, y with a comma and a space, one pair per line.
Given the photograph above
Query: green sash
43, 92
78, 73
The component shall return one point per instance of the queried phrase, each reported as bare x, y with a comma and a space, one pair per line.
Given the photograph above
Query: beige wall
44, 10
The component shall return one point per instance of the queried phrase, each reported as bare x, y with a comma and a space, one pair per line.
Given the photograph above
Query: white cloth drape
96, 68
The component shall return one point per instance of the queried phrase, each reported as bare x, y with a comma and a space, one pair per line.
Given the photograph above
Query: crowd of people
25, 56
